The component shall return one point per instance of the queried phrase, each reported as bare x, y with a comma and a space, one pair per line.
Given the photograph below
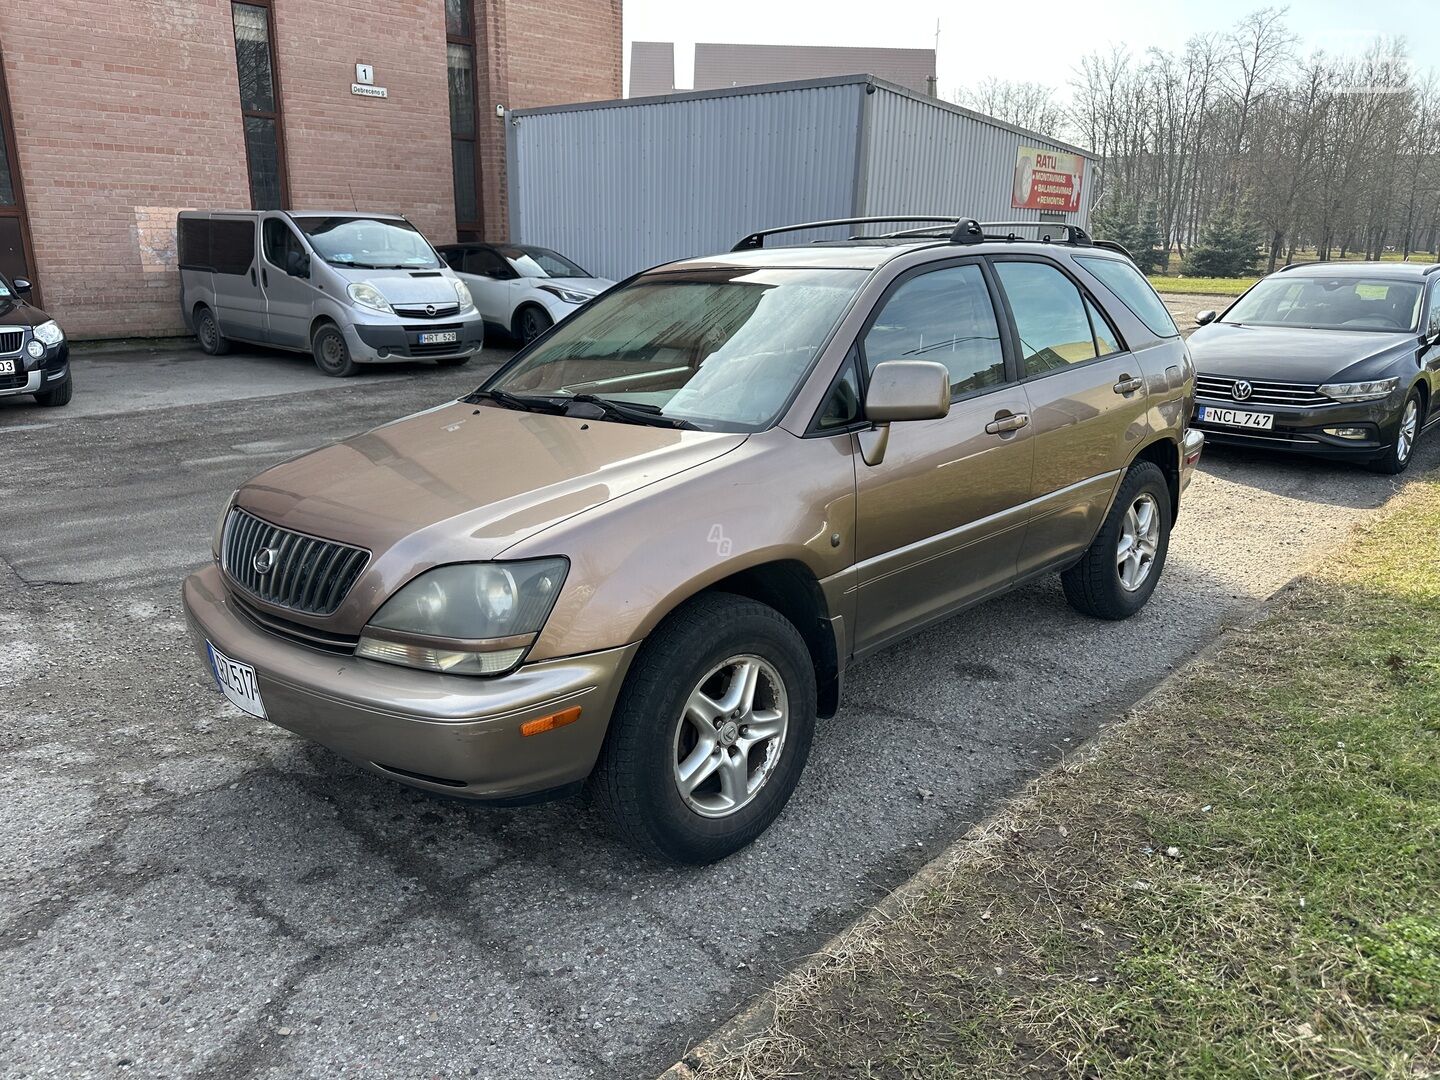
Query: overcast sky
1037, 40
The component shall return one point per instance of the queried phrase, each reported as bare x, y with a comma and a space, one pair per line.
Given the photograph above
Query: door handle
1004, 422
1128, 385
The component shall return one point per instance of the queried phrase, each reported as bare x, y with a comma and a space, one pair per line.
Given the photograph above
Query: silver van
346, 287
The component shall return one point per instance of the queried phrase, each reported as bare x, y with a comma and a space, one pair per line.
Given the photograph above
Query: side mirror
902, 390
297, 264
1204, 318
22, 286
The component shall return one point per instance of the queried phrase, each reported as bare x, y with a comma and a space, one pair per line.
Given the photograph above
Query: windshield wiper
631, 412
523, 403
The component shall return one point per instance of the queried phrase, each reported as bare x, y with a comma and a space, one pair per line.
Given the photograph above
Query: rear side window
946, 316
1126, 282
1050, 317
224, 246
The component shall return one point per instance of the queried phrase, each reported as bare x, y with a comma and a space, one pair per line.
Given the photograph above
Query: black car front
34, 356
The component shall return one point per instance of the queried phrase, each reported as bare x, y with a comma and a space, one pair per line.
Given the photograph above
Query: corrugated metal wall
924, 155
625, 187
620, 186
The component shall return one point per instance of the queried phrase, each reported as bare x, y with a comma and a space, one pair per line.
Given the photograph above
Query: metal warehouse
622, 185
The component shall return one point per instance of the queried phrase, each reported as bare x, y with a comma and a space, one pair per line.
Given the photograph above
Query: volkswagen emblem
1242, 390
264, 560
430, 309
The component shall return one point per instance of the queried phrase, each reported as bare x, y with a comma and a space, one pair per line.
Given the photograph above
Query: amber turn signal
551, 722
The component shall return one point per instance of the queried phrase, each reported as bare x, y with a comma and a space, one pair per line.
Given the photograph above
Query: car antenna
353, 204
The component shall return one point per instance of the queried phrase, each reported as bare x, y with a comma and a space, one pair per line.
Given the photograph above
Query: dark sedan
1336, 359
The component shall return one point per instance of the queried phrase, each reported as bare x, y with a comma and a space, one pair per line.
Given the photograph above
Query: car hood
405, 286
1290, 354
464, 482
592, 286
16, 312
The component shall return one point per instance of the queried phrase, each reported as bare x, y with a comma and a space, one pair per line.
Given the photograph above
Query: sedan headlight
49, 332
462, 294
467, 618
1360, 391
367, 295
570, 296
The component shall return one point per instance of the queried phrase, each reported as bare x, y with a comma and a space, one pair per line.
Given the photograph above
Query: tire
699, 649
530, 323
1097, 585
453, 361
332, 355
207, 332
58, 395
1401, 450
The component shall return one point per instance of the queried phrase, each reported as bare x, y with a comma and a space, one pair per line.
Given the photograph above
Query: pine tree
1229, 247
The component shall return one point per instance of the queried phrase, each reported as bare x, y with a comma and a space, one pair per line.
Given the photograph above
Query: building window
260, 105
460, 59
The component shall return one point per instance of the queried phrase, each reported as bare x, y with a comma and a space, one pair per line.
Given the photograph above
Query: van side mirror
297, 263
22, 286
1204, 318
902, 390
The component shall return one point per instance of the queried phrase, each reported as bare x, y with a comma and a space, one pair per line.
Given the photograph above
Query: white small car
522, 289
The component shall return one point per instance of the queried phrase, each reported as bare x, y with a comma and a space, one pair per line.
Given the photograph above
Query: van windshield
368, 243
721, 350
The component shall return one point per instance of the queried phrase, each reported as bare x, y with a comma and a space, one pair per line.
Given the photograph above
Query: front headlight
570, 296
1360, 391
367, 295
462, 293
49, 333
467, 618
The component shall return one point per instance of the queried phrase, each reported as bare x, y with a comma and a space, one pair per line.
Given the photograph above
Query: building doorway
16, 259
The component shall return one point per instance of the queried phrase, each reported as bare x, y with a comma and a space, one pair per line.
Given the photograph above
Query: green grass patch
1242, 880
1212, 286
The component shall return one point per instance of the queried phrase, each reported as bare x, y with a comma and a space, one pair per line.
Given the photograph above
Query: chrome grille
1282, 394
11, 340
427, 311
307, 574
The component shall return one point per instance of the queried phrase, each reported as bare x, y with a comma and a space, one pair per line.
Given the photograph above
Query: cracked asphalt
187, 892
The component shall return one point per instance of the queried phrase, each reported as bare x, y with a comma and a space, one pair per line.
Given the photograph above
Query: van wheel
332, 355
1121, 567
710, 733
207, 331
531, 323
57, 395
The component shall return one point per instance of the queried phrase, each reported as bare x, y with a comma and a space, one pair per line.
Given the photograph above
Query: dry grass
1240, 880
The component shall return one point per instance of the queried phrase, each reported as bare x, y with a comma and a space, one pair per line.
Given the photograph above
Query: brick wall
122, 119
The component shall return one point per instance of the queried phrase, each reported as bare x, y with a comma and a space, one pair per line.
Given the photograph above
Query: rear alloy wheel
332, 354
1397, 458
531, 324
1122, 565
711, 731
207, 331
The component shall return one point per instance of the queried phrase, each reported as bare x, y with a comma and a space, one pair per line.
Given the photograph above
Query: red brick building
115, 117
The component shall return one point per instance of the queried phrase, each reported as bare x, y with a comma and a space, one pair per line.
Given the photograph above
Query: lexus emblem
1241, 390
429, 309
264, 560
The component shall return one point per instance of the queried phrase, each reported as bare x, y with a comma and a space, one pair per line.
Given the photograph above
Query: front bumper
1302, 431
372, 343
452, 734
36, 374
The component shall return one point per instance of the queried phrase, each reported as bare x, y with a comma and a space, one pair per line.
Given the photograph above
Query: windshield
722, 349
535, 262
368, 243
1330, 303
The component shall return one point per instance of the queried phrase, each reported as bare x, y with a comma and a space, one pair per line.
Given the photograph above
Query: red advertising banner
1047, 180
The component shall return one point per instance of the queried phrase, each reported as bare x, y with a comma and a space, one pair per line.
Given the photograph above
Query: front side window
1343, 302
1432, 321
1123, 279
1050, 317
282, 247
366, 243
723, 350
259, 105
485, 263
943, 315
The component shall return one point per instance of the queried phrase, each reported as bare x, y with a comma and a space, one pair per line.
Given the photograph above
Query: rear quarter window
1125, 281
221, 245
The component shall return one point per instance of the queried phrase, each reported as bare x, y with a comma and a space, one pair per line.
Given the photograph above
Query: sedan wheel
730, 736
1396, 457
533, 323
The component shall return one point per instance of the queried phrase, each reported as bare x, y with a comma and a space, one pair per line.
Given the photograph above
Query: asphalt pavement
187, 892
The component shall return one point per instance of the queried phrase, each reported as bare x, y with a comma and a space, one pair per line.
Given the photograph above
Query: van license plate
237, 682
7, 367
440, 337
1237, 418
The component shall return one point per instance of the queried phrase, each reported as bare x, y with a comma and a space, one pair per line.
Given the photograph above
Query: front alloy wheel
730, 736
1407, 432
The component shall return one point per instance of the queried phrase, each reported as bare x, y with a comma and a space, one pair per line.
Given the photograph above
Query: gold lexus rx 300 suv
641, 557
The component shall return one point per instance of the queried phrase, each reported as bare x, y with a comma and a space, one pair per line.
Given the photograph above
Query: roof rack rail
1074, 234
1112, 245
757, 239
1431, 269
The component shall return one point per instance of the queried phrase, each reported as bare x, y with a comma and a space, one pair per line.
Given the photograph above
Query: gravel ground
186, 892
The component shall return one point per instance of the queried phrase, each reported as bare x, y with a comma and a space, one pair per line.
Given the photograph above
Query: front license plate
237, 682
7, 367
1237, 418
440, 337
